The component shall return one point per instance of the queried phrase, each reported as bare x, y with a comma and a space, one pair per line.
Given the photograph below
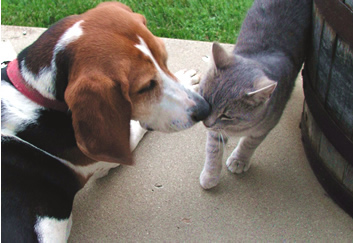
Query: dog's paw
237, 166
208, 179
189, 78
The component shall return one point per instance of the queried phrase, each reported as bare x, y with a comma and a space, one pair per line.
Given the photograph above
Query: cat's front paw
209, 179
237, 166
189, 78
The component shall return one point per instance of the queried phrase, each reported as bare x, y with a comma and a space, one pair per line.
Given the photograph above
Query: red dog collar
14, 74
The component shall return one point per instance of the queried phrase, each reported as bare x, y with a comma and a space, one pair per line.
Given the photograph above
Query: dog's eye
152, 84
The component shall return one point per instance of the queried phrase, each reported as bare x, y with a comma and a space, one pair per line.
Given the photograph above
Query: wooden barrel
327, 120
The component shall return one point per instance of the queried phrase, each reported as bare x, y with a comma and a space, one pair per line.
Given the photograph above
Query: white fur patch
43, 82
144, 49
71, 35
19, 112
50, 230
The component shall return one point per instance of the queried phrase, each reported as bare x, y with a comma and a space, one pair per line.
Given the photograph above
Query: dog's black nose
201, 110
201, 113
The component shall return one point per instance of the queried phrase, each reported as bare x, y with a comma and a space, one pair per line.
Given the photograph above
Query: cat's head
237, 90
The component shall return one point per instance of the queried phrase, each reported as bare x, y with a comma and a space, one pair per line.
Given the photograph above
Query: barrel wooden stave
339, 97
331, 62
327, 121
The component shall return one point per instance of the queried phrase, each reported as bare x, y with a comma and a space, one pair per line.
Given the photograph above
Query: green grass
205, 20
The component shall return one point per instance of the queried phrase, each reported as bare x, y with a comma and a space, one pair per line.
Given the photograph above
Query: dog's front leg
136, 134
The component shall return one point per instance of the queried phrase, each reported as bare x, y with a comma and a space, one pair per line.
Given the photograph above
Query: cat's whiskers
221, 139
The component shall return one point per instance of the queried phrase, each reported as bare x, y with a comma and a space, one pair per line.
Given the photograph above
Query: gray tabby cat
248, 90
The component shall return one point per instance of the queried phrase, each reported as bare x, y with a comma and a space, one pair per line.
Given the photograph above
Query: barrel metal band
327, 125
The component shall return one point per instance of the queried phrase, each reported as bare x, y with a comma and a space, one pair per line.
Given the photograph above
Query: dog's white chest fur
18, 113
53, 230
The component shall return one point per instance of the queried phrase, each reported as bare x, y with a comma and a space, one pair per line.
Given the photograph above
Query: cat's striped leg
211, 172
239, 161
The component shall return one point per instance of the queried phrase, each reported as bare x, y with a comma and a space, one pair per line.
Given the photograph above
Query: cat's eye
225, 118
152, 84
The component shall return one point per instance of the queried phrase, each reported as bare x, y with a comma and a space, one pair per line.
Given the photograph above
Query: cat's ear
220, 56
264, 88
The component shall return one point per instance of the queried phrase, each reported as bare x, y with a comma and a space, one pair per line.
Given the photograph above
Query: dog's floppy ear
140, 18
101, 113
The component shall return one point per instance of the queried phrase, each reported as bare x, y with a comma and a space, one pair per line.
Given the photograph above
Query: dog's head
116, 71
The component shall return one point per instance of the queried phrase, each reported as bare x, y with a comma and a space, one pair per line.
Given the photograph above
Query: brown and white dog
67, 102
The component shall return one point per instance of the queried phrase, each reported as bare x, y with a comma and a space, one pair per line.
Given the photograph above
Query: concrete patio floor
160, 199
